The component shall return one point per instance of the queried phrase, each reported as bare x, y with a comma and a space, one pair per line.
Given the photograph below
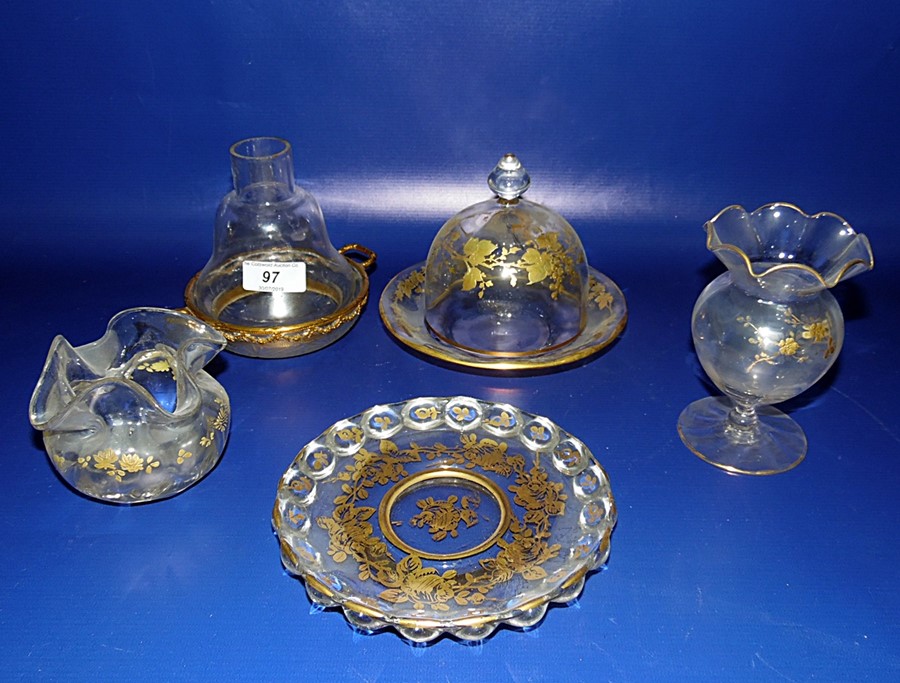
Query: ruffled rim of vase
198, 332
857, 241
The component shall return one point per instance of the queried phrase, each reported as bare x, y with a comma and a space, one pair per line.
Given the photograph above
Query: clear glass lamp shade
275, 285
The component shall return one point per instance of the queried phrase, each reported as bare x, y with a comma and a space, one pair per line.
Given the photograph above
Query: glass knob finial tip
509, 180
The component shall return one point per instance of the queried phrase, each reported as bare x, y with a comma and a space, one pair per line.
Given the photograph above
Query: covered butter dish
506, 285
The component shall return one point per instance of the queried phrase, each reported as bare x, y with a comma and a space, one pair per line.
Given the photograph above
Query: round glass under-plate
779, 444
444, 515
402, 308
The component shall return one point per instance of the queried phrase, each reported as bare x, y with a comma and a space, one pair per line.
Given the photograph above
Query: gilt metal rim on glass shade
714, 243
336, 507
402, 309
299, 334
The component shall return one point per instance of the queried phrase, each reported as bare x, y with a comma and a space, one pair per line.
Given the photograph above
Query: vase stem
742, 424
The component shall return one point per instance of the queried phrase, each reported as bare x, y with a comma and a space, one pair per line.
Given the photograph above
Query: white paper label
274, 276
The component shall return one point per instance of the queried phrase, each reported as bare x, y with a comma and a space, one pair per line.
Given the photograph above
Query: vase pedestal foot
779, 444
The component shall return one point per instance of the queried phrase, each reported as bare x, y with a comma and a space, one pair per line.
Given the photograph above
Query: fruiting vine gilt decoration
539, 259
599, 294
414, 285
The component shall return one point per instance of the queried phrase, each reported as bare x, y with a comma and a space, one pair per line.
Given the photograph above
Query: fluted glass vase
767, 330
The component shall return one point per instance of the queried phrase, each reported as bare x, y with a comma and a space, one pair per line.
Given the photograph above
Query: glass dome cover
506, 276
506, 285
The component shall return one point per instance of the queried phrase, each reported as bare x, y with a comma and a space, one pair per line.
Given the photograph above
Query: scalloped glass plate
444, 515
402, 308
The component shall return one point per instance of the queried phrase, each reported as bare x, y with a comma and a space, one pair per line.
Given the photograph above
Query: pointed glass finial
509, 179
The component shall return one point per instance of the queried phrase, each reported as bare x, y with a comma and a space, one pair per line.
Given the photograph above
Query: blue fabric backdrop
638, 120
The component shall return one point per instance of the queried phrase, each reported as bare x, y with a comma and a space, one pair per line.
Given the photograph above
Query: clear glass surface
506, 276
444, 515
268, 217
767, 330
402, 309
506, 283
133, 417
